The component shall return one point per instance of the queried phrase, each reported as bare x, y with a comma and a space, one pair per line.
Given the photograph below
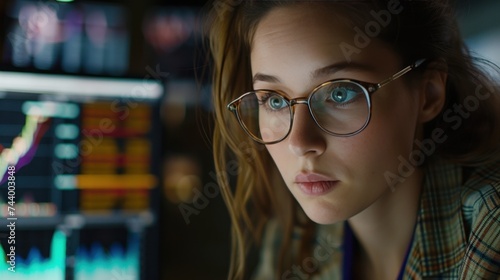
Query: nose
305, 138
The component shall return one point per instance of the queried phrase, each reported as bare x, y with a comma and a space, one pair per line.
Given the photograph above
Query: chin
322, 214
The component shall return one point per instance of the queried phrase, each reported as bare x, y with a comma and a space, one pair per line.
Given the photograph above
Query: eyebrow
324, 71
265, 78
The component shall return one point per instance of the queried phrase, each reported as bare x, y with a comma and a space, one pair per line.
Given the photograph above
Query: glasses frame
368, 90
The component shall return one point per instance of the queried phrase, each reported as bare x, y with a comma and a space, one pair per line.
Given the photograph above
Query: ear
432, 91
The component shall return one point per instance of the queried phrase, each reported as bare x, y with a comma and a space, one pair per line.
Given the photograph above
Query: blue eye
343, 94
276, 102
273, 101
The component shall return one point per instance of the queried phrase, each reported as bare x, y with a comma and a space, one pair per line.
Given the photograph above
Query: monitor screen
78, 175
78, 37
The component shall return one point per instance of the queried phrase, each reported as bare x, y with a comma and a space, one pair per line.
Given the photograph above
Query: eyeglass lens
340, 107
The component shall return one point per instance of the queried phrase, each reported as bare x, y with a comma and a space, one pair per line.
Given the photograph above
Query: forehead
312, 36
301, 23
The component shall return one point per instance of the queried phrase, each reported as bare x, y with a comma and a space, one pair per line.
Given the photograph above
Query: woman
366, 141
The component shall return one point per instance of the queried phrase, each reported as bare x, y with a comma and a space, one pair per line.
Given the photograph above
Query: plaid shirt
457, 235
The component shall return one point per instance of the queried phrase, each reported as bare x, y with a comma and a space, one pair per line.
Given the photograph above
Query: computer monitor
79, 176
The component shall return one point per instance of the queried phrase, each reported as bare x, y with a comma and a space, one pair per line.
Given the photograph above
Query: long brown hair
424, 29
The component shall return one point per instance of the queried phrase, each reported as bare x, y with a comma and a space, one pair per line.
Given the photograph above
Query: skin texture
290, 44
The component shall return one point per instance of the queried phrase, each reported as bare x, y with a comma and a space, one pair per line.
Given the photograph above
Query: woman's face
333, 178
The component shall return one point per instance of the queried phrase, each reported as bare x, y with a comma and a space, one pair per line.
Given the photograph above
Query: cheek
390, 133
284, 159
279, 153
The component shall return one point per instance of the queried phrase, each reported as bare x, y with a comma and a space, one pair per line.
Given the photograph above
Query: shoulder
322, 262
458, 229
468, 187
270, 247
481, 213
481, 192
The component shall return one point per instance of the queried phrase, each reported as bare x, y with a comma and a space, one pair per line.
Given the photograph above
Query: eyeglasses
339, 107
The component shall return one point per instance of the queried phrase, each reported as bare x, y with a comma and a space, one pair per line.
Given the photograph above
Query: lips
315, 184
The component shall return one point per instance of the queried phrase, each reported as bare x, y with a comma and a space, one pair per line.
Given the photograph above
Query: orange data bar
135, 181
119, 159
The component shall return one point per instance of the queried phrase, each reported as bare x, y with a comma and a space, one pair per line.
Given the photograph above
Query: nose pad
305, 135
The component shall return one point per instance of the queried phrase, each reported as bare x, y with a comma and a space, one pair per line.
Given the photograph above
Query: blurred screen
79, 37
78, 176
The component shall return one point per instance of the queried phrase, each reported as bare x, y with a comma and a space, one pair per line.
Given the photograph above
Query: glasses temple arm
401, 73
